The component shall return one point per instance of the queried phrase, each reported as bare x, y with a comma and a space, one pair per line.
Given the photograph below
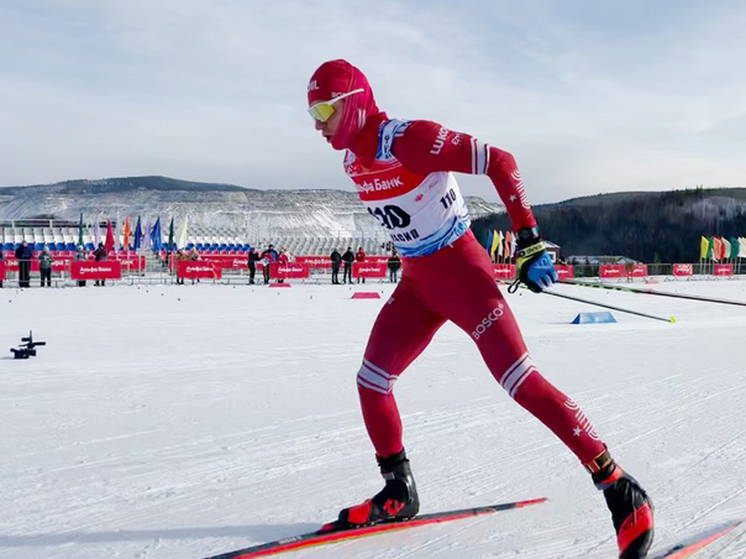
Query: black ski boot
631, 508
397, 500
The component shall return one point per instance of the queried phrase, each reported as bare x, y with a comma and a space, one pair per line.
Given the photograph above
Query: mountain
645, 226
258, 213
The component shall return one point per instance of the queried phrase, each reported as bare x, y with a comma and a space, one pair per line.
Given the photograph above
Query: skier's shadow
248, 535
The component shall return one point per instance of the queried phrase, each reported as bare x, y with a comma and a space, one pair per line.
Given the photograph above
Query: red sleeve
427, 147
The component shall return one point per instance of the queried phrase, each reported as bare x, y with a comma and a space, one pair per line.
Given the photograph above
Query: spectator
348, 258
99, 255
45, 266
360, 258
179, 257
253, 259
24, 254
80, 254
336, 259
283, 260
394, 264
268, 257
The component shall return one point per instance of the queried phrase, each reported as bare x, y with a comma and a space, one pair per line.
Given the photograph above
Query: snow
184, 421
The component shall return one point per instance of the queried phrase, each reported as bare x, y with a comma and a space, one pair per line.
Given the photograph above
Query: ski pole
604, 305
648, 291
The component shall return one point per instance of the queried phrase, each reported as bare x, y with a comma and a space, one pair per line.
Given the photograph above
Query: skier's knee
515, 375
374, 378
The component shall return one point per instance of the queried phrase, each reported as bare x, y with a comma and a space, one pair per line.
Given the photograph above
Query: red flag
109, 244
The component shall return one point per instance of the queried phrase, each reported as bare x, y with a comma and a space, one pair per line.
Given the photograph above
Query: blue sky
589, 96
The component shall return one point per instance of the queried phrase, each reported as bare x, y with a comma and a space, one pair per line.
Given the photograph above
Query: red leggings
456, 283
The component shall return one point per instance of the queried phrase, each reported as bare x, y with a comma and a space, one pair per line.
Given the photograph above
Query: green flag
171, 236
80, 231
733, 247
709, 248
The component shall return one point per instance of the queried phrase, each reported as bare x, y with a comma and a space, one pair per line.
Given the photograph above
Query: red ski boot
631, 508
397, 500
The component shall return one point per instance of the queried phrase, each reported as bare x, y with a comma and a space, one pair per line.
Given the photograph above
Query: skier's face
330, 126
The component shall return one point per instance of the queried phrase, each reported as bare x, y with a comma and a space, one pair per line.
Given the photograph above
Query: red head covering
333, 79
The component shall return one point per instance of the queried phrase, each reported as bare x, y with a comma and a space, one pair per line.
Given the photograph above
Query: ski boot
631, 508
396, 501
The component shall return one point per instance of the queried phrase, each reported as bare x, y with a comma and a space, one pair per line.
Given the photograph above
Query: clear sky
590, 96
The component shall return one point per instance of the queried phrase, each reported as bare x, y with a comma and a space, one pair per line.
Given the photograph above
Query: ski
687, 547
330, 533
649, 291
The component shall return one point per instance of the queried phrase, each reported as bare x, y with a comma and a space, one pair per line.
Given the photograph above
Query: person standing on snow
360, 259
403, 171
336, 259
347, 259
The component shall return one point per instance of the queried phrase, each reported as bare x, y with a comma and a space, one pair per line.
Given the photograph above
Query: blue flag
138, 235
155, 237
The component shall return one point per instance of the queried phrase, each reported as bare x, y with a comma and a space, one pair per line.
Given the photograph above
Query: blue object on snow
594, 318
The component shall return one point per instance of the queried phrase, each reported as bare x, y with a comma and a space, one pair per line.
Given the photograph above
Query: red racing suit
403, 172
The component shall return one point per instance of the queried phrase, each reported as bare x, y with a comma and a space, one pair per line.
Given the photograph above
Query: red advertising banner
504, 271
723, 269
197, 269
230, 262
290, 271
314, 261
564, 271
640, 271
107, 269
683, 270
612, 271
132, 262
377, 258
368, 270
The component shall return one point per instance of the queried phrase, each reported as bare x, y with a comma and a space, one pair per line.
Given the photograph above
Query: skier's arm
426, 147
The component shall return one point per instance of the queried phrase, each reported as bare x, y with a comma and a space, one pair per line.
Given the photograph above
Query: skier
403, 173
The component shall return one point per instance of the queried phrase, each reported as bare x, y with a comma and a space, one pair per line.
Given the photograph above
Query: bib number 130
391, 217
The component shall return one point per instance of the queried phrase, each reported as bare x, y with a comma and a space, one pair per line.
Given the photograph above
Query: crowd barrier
304, 268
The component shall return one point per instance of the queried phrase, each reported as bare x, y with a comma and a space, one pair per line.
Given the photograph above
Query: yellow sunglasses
323, 110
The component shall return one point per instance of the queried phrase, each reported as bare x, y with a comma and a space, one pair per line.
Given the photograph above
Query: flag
741, 247
109, 243
513, 243
156, 242
171, 236
716, 244
710, 248
496, 238
704, 247
488, 244
96, 231
733, 248
146, 235
138, 235
114, 231
506, 244
126, 240
80, 230
181, 237
726, 248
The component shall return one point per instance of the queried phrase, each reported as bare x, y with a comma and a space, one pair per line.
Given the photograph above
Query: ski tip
673, 319
529, 502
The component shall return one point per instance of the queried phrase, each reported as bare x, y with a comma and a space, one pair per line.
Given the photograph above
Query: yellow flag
704, 247
495, 242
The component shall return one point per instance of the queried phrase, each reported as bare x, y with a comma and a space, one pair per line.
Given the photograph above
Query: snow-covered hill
257, 213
